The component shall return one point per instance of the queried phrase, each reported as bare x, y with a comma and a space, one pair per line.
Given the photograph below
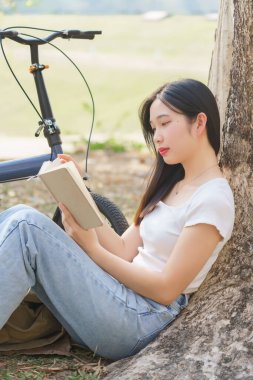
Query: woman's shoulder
212, 203
215, 191
219, 184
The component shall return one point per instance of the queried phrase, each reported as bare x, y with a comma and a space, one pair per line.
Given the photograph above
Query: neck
198, 164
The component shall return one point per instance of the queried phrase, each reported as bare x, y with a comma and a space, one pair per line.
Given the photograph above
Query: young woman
116, 294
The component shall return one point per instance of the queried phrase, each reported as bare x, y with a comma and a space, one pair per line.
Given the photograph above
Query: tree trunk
213, 338
219, 74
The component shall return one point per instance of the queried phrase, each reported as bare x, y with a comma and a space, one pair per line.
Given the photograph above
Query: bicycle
21, 169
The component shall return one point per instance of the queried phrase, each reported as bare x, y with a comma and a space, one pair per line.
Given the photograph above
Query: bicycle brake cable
11, 70
77, 68
20, 85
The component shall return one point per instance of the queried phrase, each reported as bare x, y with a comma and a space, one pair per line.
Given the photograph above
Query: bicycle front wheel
112, 213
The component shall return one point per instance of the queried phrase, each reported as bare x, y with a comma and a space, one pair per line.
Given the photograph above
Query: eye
164, 123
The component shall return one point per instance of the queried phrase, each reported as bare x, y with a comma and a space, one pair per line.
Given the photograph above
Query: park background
132, 57
136, 53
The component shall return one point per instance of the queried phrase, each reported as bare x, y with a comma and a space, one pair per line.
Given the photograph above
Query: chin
170, 161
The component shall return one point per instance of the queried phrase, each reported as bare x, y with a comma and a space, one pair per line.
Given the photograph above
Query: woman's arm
124, 246
193, 248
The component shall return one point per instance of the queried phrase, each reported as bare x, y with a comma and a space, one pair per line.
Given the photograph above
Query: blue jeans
94, 308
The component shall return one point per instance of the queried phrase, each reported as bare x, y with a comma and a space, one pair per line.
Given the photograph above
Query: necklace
197, 176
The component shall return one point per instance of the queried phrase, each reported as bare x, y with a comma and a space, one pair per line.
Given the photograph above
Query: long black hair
188, 97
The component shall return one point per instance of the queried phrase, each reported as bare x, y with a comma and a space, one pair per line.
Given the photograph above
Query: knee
25, 212
22, 212
10, 218
10, 212
19, 211
18, 208
33, 216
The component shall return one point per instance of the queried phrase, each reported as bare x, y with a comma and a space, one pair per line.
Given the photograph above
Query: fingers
67, 158
62, 207
67, 216
66, 213
70, 225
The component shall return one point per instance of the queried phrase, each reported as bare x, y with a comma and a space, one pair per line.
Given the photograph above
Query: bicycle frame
13, 170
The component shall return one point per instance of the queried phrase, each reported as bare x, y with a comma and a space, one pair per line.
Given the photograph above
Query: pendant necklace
199, 175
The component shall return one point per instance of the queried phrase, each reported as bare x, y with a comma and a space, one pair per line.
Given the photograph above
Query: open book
66, 185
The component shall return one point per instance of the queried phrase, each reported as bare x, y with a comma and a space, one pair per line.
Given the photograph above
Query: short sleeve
215, 207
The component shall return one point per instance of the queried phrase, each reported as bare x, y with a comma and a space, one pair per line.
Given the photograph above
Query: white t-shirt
212, 203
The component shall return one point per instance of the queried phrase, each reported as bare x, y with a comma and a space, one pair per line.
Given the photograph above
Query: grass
79, 366
129, 60
113, 145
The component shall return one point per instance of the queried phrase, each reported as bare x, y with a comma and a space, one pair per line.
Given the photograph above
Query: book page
49, 165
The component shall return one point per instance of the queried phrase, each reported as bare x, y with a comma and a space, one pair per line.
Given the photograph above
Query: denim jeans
94, 308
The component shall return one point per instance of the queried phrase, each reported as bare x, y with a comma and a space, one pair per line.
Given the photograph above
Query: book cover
66, 185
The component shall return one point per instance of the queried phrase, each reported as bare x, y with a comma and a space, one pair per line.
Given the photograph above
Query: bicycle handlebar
14, 35
8, 33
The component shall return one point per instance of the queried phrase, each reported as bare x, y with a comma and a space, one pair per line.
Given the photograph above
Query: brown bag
31, 326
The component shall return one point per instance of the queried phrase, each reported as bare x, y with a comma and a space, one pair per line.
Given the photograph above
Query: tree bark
219, 80
213, 338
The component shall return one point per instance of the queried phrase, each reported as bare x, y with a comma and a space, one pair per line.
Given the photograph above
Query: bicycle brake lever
41, 126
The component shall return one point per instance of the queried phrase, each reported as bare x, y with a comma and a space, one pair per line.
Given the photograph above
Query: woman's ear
200, 123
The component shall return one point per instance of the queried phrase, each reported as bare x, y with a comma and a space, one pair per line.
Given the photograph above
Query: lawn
123, 65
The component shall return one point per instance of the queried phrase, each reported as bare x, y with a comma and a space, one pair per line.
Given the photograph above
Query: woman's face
173, 133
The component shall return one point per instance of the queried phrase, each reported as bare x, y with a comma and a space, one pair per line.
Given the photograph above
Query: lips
163, 151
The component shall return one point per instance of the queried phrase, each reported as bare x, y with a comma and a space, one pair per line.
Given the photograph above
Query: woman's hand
67, 158
86, 239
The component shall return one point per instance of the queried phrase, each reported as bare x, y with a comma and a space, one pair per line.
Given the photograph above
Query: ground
121, 178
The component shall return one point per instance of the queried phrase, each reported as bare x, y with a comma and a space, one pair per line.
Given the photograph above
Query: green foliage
115, 146
110, 144
11, 5
84, 376
31, 3
7, 4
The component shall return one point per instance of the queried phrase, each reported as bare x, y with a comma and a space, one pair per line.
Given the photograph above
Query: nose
157, 137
